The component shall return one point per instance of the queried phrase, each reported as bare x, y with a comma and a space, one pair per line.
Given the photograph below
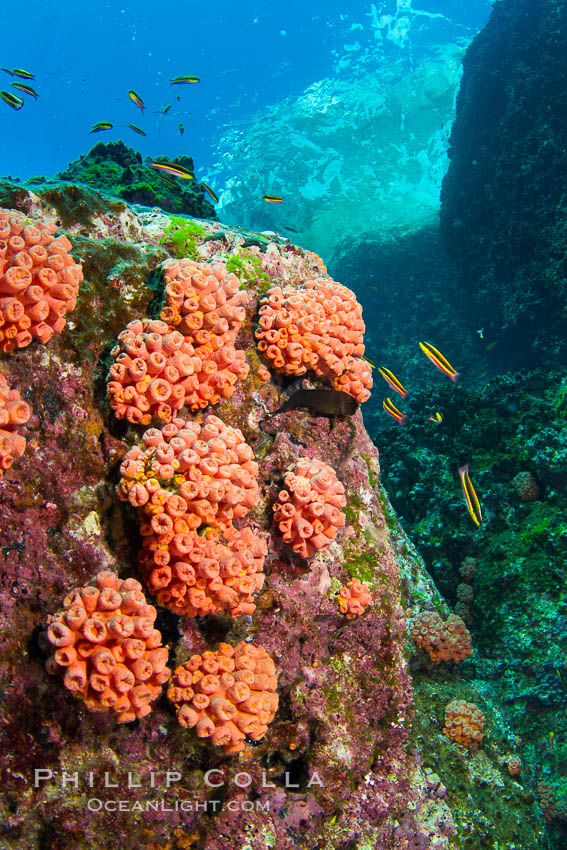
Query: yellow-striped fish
437, 418
173, 169
177, 81
394, 382
369, 361
99, 126
135, 98
11, 99
391, 408
272, 199
438, 360
21, 72
167, 179
471, 499
26, 89
209, 191
137, 130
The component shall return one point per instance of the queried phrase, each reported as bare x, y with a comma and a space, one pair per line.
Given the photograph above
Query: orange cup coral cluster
13, 413
39, 280
444, 641
187, 357
354, 598
317, 327
154, 373
205, 303
308, 510
226, 695
464, 723
105, 646
188, 485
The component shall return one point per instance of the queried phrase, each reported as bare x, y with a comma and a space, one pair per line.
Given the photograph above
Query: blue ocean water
250, 57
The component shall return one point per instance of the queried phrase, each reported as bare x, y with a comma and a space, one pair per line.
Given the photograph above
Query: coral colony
39, 282
14, 412
191, 480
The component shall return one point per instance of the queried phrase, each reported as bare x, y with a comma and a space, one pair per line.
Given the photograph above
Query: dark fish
99, 126
137, 130
177, 81
8, 71
25, 75
135, 98
291, 229
26, 89
181, 129
323, 402
11, 99
491, 345
209, 191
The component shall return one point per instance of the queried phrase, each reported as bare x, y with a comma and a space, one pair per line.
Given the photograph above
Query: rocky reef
356, 756
503, 211
119, 170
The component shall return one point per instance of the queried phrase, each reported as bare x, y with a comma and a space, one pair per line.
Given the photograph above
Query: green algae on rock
119, 170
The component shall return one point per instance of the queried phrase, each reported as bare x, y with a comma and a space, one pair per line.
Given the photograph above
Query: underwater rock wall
346, 762
503, 212
335, 172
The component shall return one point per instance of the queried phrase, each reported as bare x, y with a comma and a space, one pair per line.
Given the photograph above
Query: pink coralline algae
464, 723
39, 280
308, 510
226, 695
106, 648
319, 328
188, 485
205, 303
354, 598
13, 413
448, 640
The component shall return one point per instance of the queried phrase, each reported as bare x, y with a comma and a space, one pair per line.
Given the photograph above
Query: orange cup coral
444, 641
226, 695
205, 303
13, 413
308, 510
464, 723
354, 598
190, 483
39, 280
105, 646
317, 327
